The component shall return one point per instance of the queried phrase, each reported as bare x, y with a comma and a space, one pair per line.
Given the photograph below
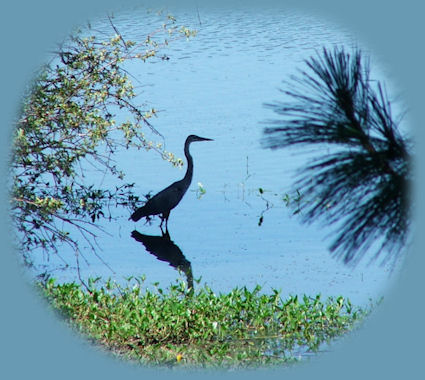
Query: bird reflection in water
164, 249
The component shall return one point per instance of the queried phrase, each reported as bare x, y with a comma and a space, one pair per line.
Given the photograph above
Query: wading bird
163, 202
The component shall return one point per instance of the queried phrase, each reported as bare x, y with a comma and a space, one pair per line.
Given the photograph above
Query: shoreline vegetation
194, 329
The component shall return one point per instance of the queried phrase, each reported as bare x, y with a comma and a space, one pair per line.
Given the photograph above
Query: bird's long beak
205, 139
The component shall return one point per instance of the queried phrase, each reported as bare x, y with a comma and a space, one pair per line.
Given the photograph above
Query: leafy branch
68, 122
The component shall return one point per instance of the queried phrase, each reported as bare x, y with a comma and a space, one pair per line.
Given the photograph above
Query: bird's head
193, 138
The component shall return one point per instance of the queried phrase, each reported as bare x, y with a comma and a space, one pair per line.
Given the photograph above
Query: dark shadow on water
164, 249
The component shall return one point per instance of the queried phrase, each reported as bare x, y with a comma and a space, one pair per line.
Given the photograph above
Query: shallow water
215, 86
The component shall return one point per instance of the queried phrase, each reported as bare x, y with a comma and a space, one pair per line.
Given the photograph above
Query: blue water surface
215, 85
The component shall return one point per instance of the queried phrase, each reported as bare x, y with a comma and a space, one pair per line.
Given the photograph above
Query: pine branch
360, 185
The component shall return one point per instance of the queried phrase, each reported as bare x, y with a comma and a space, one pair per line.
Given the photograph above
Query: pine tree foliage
358, 183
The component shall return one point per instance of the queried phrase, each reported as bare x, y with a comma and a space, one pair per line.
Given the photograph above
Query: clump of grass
180, 326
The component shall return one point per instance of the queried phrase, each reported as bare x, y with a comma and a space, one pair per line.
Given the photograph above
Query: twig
118, 33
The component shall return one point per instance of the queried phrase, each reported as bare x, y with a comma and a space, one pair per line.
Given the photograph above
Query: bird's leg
160, 226
166, 216
166, 235
163, 217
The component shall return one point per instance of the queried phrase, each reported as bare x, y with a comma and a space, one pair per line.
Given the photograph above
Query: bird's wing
167, 199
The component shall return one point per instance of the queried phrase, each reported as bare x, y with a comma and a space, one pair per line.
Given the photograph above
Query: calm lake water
215, 85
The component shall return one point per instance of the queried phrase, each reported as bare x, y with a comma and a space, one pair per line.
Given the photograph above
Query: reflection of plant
361, 180
290, 200
269, 205
67, 125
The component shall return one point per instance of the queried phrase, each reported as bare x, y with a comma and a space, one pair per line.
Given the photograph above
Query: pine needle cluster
359, 181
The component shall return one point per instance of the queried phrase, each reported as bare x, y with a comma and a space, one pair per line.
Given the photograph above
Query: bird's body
163, 202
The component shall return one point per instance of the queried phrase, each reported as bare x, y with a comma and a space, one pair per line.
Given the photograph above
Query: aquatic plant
200, 328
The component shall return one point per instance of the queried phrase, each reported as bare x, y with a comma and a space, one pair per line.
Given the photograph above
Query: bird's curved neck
189, 171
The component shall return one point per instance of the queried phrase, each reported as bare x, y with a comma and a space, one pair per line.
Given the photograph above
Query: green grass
181, 327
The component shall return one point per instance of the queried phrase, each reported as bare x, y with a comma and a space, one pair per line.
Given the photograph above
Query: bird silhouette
162, 203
